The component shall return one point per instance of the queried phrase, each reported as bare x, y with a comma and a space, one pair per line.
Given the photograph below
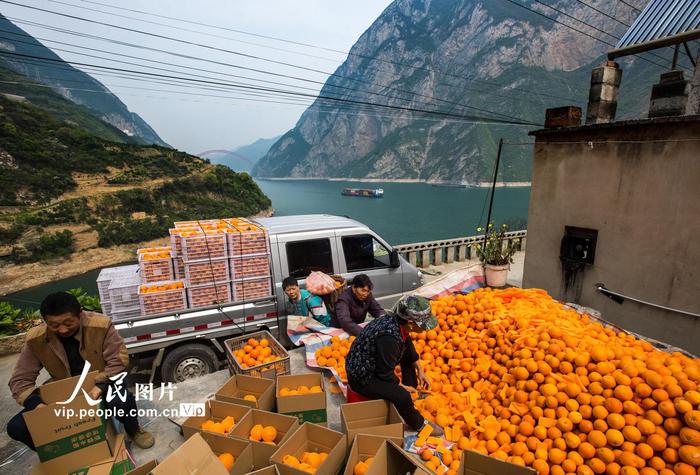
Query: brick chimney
602, 98
670, 96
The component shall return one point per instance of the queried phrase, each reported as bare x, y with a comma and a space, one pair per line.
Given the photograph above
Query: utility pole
493, 188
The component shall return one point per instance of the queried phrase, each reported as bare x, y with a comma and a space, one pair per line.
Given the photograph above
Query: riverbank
16, 277
481, 184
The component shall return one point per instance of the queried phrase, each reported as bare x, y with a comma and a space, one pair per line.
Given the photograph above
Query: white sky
198, 123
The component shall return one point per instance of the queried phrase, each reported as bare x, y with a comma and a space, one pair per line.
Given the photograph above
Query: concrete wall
644, 200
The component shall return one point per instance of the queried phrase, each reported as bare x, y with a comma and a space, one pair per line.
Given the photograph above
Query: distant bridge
206, 153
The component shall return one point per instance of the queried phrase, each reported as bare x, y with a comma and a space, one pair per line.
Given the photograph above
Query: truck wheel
188, 362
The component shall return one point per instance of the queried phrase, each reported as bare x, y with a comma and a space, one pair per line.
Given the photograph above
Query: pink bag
319, 283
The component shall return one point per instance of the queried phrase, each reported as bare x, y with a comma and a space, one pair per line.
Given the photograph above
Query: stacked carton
104, 281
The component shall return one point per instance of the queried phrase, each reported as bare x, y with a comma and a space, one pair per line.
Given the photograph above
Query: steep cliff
463, 57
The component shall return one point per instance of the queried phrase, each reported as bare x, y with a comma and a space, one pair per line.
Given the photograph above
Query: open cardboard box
216, 411
376, 417
474, 463
118, 464
240, 385
312, 438
364, 446
392, 459
242, 451
65, 443
269, 470
309, 407
285, 425
193, 457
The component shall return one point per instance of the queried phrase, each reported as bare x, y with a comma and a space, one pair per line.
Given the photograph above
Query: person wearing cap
384, 344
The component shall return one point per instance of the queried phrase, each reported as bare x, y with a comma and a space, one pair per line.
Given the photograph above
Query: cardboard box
269, 470
119, 464
242, 451
216, 411
474, 463
144, 469
306, 407
392, 459
285, 425
193, 457
67, 443
364, 446
376, 417
240, 385
312, 438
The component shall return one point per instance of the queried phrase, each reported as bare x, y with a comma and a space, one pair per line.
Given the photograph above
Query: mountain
241, 159
64, 189
17, 49
465, 57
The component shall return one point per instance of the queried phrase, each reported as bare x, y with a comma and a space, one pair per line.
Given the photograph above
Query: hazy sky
186, 115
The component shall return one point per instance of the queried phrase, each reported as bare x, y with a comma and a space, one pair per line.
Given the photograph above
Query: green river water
409, 212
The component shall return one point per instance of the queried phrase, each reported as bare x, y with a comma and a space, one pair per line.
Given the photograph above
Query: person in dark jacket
354, 304
384, 344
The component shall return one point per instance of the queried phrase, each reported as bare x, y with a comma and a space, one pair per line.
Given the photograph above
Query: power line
467, 118
326, 84
283, 40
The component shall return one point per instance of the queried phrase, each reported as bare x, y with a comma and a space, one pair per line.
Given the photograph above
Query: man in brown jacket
69, 338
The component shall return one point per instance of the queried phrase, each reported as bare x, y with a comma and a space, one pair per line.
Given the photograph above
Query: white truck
188, 344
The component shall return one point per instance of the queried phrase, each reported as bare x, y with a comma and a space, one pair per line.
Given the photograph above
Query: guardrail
423, 254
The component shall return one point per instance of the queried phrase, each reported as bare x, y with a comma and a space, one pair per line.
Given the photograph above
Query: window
364, 252
303, 257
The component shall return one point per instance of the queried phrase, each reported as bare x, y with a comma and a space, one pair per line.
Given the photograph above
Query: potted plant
495, 255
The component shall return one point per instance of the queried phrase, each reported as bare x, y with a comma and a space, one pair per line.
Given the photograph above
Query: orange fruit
227, 460
269, 434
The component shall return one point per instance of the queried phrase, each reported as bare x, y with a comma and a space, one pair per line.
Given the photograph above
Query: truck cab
191, 343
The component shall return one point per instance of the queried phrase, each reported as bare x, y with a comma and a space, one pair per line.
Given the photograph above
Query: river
409, 212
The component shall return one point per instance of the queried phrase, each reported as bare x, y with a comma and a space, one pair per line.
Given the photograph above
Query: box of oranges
391, 458
219, 418
302, 396
311, 449
236, 455
257, 354
364, 448
376, 417
266, 431
258, 393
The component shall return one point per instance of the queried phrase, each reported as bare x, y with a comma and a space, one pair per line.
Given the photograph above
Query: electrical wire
293, 93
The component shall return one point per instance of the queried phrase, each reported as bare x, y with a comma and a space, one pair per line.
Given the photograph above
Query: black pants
17, 428
392, 392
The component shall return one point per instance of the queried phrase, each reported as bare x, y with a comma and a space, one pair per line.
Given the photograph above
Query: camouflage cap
416, 309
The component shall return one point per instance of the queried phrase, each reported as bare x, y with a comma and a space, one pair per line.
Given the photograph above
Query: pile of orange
260, 433
151, 256
333, 355
283, 392
519, 376
255, 353
449, 462
227, 460
223, 427
150, 250
308, 462
149, 288
362, 466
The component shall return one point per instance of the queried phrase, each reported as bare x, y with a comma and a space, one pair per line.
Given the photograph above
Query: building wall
644, 200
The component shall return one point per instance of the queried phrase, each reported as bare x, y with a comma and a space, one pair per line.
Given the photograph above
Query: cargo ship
363, 192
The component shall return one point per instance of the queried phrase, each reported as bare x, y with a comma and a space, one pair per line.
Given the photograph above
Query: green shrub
49, 246
86, 301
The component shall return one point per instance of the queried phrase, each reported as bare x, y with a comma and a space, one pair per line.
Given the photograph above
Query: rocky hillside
70, 82
454, 56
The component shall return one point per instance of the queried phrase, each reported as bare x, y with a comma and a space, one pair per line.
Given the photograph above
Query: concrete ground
17, 459
515, 275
